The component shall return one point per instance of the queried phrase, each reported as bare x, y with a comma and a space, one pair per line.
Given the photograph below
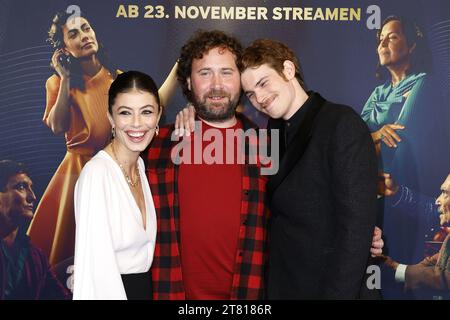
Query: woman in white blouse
114, 210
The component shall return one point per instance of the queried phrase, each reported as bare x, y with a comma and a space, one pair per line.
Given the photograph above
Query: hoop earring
157, 130
113, 132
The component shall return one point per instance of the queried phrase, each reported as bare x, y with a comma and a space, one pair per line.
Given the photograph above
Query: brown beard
216, 112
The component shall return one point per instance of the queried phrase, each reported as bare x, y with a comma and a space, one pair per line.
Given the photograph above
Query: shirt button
246, 192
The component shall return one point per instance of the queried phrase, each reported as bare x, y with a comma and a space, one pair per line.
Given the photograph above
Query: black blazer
323, 205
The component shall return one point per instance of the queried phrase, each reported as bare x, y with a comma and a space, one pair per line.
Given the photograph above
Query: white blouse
110, 238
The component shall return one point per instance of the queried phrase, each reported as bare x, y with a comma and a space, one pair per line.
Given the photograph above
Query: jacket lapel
298, 146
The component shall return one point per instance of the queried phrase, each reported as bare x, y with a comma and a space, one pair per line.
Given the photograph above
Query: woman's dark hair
56, 39
8, 169
128, 81
420, 57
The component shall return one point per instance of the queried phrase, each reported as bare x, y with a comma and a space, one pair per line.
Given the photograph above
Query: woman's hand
59, 117
386, 185
185, 121
388, 135
62, 71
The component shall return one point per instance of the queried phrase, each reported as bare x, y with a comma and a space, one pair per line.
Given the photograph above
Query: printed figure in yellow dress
77, 104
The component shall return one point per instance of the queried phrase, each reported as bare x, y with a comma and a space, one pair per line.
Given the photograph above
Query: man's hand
377, 243
185, 121
390, 263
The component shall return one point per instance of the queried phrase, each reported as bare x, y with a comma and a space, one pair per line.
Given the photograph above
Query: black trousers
138, 286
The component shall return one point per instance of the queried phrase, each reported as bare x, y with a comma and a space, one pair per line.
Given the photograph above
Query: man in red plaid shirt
211, 214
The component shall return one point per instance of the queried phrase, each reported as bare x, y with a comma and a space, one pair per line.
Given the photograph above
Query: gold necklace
127, 177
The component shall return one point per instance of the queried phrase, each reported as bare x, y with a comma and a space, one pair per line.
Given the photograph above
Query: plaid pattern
250, 258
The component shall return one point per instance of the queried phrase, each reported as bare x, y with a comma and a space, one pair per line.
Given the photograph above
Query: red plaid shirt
250, 258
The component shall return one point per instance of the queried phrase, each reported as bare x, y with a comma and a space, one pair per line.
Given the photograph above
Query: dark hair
198, 45
8, 169
128, 81
273, 53
421, 55
56, 39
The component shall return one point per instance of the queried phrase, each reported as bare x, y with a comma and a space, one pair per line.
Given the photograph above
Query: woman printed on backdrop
405, 118
404, 113
76, 106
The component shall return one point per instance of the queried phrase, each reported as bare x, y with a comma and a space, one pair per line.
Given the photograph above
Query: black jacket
323, 204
